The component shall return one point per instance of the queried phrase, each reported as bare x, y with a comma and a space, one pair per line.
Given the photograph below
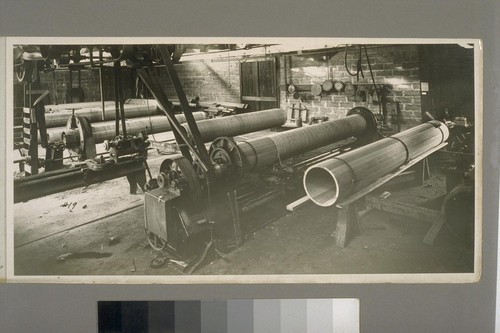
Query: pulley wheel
158, 262
183, 168
163, 180
86, 146
291, 89
225, 152
371, 132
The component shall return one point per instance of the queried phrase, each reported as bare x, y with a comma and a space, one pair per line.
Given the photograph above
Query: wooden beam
297, 203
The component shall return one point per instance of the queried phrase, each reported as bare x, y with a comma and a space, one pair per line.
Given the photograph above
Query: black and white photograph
244, 160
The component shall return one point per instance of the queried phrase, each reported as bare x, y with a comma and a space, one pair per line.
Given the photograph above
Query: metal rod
117, 106
334, 179
120, 100
101, 86
202, 151
151, 80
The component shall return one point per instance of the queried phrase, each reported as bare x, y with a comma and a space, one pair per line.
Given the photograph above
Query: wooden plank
297, 203
249, 79
404, 209
388, 177
259, 99
434, 230
224, 104
267, 79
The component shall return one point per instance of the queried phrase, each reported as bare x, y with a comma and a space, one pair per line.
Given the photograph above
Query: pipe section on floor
332, 180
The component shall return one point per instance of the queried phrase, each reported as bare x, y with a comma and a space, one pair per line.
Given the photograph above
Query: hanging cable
359, 69
374, 84
149, 116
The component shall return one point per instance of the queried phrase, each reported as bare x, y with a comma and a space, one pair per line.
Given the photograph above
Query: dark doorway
447, 76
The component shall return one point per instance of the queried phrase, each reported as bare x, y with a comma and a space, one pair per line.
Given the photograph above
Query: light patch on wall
313, 71
398, 83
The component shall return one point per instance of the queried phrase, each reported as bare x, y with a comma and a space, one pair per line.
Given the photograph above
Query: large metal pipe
133, 108
265, 151
106, 130
62, 180
337, 178
76, 106
211, 129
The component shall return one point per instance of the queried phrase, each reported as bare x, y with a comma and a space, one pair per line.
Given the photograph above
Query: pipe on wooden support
265, 151
329, 181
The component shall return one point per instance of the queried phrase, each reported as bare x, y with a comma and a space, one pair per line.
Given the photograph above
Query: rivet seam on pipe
277, 150
354, 176
407, 159
254, 151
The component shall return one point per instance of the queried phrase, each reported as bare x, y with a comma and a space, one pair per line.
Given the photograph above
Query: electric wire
359, 68
374, 84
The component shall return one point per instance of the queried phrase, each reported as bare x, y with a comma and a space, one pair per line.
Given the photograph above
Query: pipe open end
321, 186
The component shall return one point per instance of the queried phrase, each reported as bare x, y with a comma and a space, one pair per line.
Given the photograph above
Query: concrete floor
302, 242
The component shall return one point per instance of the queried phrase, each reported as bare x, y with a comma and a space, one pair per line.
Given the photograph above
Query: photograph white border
307, 43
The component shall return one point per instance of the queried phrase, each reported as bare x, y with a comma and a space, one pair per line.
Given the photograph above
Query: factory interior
243, 159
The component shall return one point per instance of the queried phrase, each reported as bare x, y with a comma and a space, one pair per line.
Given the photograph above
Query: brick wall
395, 66
57, 83
211, 80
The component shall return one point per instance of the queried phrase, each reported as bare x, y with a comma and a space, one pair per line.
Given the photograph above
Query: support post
347, 224
204, 159
233, 204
